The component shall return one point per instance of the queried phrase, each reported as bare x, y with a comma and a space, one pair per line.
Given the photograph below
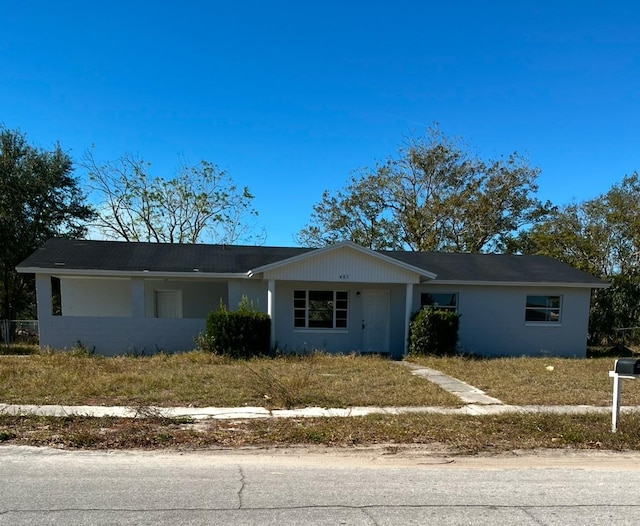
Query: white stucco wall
255, 290
105, 326
492, 320
114, 297
111, 336
95, 297
199, 298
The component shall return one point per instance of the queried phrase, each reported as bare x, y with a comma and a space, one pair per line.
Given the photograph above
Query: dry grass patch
451, 434
538, 381
203, 379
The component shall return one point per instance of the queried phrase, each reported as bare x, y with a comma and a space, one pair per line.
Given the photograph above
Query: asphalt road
365, 487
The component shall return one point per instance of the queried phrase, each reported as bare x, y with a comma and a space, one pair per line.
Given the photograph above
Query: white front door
375, 322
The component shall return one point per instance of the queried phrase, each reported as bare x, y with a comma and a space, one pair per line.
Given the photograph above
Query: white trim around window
322, 310
543, 310
440, 300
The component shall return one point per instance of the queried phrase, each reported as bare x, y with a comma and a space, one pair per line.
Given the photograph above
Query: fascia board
522, 284
62, 271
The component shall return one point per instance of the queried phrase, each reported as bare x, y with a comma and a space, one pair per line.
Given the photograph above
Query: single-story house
120, 297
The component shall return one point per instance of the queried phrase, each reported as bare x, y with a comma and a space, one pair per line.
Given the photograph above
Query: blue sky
291, 97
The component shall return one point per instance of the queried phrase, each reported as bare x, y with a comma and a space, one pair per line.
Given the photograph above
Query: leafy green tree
433, 195
616, 308
578, 234
201, 203
600, 236
39, 199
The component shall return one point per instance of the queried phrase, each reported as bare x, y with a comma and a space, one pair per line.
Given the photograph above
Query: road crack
242, 486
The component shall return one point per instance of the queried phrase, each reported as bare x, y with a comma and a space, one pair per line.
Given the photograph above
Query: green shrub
433, 331
243, 333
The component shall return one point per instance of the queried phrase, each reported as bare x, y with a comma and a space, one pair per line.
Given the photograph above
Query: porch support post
44, 303
407, 315
271, 293
44, 300
137, 298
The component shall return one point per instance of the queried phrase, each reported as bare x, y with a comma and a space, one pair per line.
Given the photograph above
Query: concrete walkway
467, 393
475, 402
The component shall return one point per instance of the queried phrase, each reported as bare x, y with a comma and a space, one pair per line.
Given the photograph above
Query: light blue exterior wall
492, 317
199, 298
290, 339
110, 331
110, 336
492, 320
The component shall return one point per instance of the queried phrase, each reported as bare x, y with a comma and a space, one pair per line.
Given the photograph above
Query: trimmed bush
243, 333
433, 331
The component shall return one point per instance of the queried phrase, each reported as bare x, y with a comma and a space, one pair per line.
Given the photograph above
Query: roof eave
62, 271
522, 283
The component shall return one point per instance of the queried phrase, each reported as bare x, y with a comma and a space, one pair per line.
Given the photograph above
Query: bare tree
201, 203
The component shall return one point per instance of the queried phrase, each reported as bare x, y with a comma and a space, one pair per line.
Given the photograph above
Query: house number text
344, 276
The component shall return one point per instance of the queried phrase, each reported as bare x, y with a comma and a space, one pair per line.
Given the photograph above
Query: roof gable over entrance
344, 261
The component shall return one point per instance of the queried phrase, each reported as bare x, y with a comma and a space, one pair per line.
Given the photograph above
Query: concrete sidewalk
474, 400
243, 413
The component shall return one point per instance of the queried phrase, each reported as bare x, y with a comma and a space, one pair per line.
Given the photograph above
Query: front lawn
538, 381
201, 379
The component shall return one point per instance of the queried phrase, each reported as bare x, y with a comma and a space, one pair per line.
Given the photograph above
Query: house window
440, 301
320, 309
168, 303
543, 309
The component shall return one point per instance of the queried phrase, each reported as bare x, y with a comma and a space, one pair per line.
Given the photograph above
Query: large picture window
441, 301
320, 309
543, 309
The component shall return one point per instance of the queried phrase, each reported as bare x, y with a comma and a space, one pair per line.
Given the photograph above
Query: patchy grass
538, 381
454, 434
203, 379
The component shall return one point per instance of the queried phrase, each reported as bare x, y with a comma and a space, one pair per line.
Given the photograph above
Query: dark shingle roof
154, 257
504, 268
159, 257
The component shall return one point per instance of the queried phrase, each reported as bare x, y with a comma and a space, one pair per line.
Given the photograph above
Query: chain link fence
19, 331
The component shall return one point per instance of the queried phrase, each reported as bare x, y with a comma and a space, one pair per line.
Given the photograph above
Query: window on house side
543, 309
440, 301
320, 309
